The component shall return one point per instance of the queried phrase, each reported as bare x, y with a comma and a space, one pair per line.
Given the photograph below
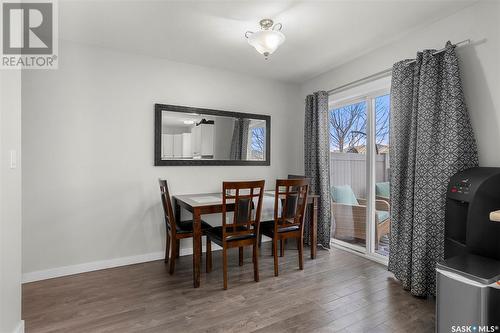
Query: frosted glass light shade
266, 41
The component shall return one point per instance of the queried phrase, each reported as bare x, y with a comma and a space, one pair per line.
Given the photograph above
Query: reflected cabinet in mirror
193, 136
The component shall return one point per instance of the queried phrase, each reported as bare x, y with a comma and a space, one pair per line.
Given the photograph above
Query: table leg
196, 247
314, 227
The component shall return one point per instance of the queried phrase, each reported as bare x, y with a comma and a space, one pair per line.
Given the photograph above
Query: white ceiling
320, 34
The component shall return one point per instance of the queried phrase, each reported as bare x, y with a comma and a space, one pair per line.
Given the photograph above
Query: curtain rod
386, 71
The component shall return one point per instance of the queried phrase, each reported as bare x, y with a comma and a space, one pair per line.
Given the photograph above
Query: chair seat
186, 227
215, 234
267, 228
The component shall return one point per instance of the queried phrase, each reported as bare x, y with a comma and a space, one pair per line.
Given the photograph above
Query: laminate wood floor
337, 292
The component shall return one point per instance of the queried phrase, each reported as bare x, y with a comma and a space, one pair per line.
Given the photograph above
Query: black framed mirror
197, 136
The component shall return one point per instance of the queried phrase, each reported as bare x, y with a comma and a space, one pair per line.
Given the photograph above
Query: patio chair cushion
343, 194
383, 189
382, 215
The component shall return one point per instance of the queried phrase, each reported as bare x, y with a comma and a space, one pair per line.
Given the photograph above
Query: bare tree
258, 142
382, 107
347, 126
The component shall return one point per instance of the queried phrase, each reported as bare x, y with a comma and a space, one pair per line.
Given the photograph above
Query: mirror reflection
192, 136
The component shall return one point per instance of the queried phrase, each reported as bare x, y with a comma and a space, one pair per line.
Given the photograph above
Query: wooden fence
350, 169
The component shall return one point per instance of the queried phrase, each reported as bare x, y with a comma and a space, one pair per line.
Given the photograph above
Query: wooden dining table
211, 203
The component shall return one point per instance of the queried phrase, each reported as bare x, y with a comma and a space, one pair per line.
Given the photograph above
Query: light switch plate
13, 159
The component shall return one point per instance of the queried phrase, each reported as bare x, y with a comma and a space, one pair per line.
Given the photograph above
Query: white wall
479, 63
10, 202
90, 189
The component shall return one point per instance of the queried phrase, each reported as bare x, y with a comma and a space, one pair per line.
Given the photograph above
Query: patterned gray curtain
235, 152
239, 142
431, 139
245, 126
317, 161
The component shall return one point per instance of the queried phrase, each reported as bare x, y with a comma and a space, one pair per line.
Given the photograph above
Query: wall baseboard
96, 265
104, 264
19, 328
90, 266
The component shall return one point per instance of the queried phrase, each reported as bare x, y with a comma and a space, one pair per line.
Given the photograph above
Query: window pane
382, 107
348, 128
348, 139
382, 185
257, 145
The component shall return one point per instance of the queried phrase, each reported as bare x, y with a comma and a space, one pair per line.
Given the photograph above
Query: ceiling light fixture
268, 39
188, 122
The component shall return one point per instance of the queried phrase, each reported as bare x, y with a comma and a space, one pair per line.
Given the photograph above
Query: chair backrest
167, 205
246, 197
293, 195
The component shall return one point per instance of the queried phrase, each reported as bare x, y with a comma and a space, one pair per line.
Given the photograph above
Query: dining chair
296, 177
290, 200
245, 200
283, 242
176, 230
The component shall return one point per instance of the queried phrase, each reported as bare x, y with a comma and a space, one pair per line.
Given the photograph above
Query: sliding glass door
382, 185
348, 141
359, 171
